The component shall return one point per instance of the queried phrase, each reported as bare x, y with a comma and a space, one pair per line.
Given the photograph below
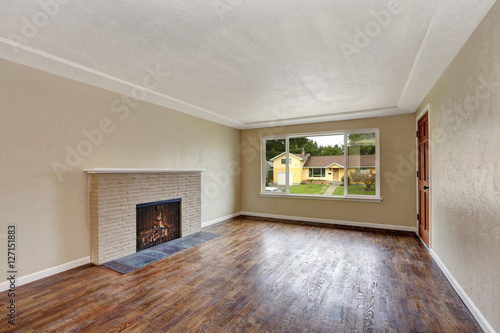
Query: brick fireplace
115, 194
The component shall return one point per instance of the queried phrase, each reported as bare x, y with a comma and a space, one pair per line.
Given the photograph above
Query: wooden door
423, 178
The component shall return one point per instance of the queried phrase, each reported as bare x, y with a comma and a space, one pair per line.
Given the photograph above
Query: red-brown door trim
424, 176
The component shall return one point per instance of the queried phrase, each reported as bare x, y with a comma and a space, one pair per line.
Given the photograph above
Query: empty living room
250, 166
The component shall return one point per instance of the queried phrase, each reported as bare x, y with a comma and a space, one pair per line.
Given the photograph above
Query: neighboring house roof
323, 161
300, 157
327, 161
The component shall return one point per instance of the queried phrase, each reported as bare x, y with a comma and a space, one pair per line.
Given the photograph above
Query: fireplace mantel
131, 170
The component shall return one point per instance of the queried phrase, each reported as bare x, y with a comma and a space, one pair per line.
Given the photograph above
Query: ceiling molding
433, 59
50, 63
236, 69
338, 116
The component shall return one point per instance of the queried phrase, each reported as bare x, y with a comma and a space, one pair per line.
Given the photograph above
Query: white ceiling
247, 63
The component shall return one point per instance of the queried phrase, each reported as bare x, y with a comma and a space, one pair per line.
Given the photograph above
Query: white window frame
346, 197
323, 171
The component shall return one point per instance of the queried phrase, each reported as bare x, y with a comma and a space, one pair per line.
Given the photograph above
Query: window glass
273, 166
316, 164
361, 165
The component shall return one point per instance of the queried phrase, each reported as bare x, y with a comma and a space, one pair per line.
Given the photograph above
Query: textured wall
397, 170
43, 118
465, 167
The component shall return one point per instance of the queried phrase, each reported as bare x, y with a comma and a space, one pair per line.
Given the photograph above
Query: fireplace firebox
158, 222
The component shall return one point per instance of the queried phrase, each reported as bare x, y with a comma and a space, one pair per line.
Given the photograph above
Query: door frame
427, 110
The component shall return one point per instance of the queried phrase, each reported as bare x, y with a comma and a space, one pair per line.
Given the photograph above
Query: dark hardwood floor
258, 276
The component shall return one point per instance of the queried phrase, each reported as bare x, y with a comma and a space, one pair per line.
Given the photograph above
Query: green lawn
318, 189
353, 189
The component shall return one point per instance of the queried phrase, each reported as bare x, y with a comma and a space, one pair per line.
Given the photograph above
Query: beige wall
465, 167
42, 114
397, 141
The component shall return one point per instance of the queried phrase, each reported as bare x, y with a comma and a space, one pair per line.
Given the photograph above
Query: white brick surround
113, 200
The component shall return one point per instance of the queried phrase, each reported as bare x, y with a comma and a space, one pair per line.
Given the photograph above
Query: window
337, 165
316, 172
362, 153
274, 150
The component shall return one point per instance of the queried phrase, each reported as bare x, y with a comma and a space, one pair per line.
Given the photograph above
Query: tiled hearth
114, 194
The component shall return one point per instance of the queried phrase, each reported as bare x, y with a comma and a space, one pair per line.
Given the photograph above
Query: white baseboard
337, 222
45, 273
463, 295
220, 219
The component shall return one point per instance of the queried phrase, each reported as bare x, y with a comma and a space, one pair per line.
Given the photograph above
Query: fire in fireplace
158, 222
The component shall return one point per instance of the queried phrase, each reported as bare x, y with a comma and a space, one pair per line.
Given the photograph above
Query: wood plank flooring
259, 276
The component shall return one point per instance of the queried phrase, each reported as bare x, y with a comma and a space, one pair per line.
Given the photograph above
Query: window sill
321, 197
